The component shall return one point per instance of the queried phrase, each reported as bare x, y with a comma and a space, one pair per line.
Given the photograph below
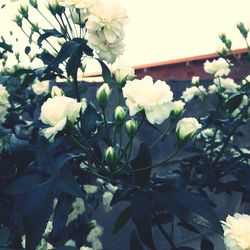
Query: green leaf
234, 102
122, 220
142, 217
135, 243
4, 236
107, 76
24, 184
206, 245
36, 212
6, 47
48, 33
177, 202
142, 160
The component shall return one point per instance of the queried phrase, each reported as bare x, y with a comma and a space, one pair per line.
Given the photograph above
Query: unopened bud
131, 127
178, 109
24, 10
33, 3
110, 156
102, 95
243, 30
56, 91
120, 114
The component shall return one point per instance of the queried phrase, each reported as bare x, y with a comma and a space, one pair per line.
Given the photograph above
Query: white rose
186, 128
213, 89
106, 199
219, 67
56, 91
40, 88
226, 83
154, 98
4, 103
123, 72
90, 189
246, 80
56, 111
193, 91
195, 80
237, 231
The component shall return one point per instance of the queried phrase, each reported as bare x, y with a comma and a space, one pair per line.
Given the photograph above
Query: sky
160, 30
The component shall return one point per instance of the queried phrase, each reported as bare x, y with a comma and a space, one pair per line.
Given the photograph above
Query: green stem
70, 27
105, 122
165, 133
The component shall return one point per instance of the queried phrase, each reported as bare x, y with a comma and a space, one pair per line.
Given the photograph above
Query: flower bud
122, 73
102, 95
243, 30
225, 40
18, 20
110, 156
23, 10
131, 127
53, 6
56, 91
33, 3
35, 27
195, 80
120, 114
186, 128
178, 109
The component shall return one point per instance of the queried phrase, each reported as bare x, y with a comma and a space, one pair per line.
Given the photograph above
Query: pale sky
160, 30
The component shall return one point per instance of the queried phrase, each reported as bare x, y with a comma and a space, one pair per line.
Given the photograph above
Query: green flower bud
56, 91
102, 95
35, 27
24, 10
243, 30
178, 109
225, 40
110, 156
33, 3
131, 127
120, 114
186, 128
18, 20
53, 6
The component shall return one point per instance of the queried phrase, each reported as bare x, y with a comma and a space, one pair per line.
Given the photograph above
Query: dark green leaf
88, 119
142, 217
135, 243
234, 102
36, 212
6, 46
107, 77
122, 220
27, 50
142, 160
206, 244
4, 236
24, 184
48, 33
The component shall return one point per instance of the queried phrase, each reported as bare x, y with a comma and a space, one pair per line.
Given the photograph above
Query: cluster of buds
243, 30
225, 40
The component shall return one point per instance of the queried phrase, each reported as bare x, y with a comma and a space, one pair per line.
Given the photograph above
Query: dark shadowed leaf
4, 236
36, 212
122, 220
48, 33
142, 160
24, 184
142, 217
234, 102
107, 77
135, 243
206, 245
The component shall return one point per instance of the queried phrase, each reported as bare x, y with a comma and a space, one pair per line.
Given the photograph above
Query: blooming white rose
226, 83
193, 91
186, 128
56, 111
40, 88
195, 80
237, 232
219, 67
154, 98
4, 103
213, 89
123, 72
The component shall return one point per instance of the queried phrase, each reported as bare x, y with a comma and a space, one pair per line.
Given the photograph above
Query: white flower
154, 98
105, 28
56, 91
78, 209
193, 91
195, 80
213, 89
68, 3
93, 237
206, 133
219, 67
186, 128
85, 248
4, 103
246, 80
56, 111
90, 189
106, 199
226, 83
123, 72
40, 88
70, 243
237, 232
